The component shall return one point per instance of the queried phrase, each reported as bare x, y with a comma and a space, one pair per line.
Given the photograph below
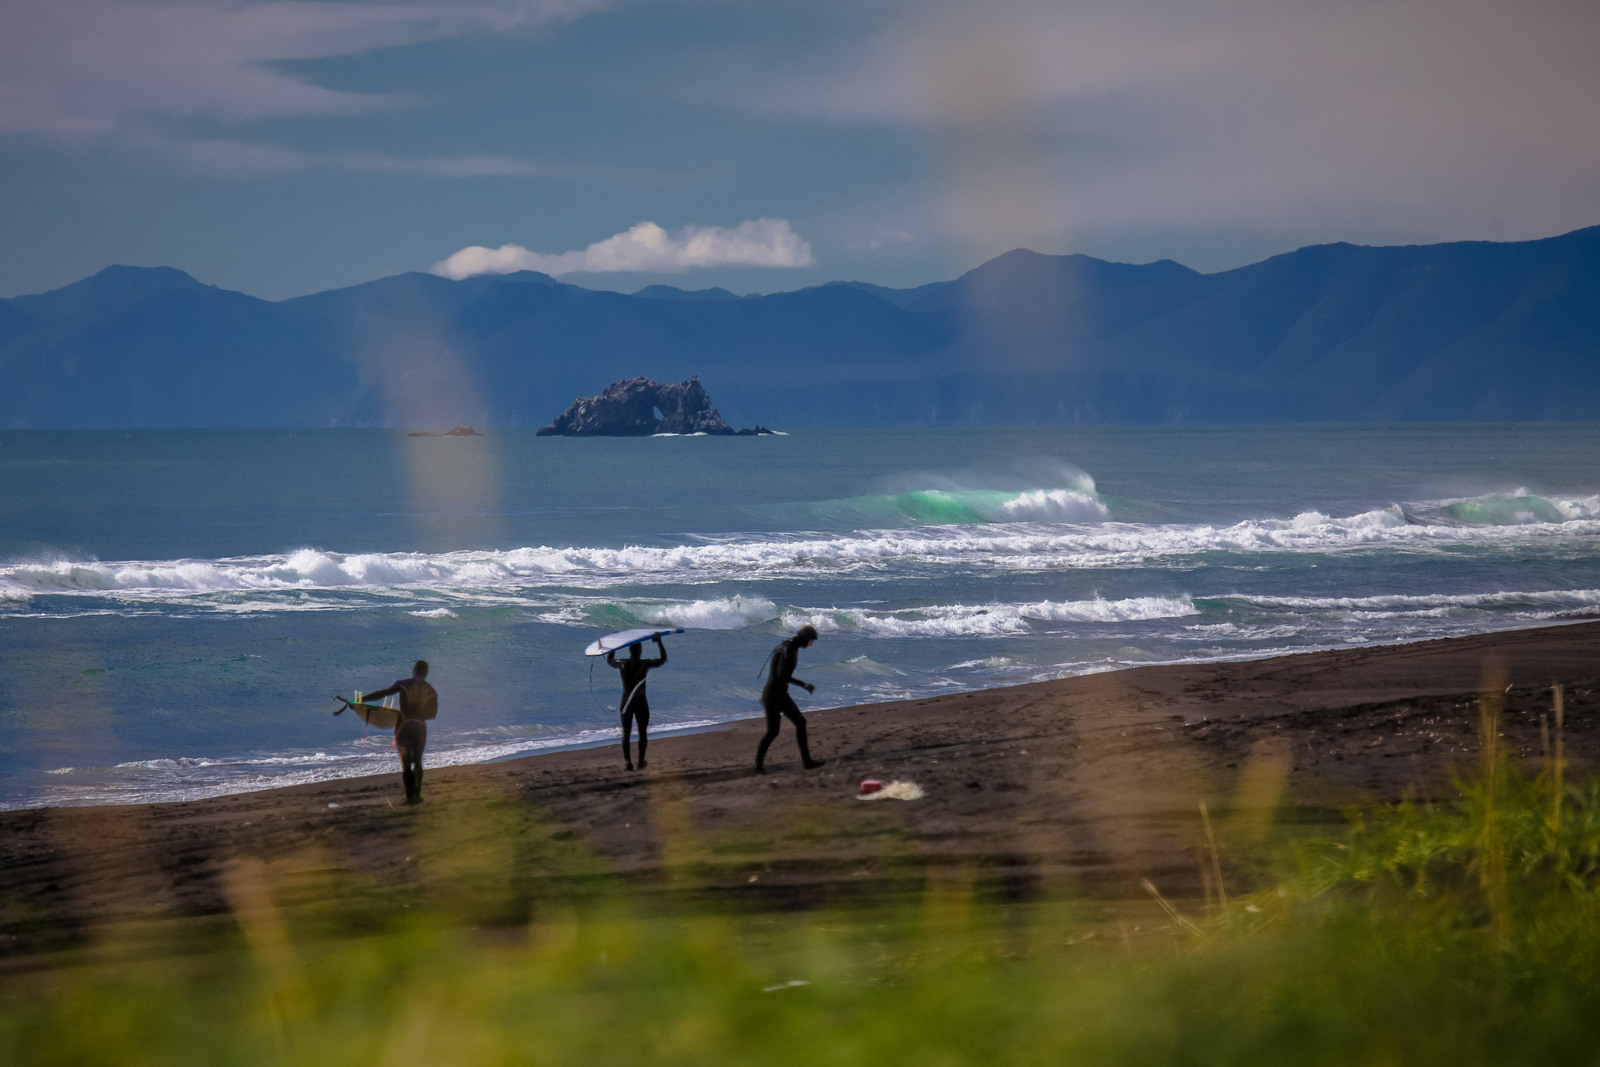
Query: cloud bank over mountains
647, 247
284, 146
1411, 119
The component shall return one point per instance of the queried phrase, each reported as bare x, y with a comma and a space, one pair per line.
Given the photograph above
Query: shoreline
669, 730
696, 726
1081, 786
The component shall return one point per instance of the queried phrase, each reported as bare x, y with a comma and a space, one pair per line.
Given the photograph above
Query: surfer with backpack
776, 701
635, 704
418, 702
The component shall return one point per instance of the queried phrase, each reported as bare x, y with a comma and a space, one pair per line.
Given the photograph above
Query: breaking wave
1516, 508
723, 613
944, 620
1039, 530
982, 620
1076, 502
1543, 604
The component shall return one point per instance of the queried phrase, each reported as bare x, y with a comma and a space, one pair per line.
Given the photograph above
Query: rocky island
639, 407
454, 431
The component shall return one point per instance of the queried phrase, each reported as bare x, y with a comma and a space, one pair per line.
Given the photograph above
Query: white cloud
84, 68
647, 247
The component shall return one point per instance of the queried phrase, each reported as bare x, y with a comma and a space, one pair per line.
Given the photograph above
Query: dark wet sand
1083, 786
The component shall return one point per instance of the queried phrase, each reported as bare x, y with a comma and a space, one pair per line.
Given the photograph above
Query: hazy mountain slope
1472, 330
154, 348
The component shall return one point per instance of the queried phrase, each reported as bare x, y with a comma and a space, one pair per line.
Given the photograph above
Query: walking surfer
776, 701
635, 705
418, 703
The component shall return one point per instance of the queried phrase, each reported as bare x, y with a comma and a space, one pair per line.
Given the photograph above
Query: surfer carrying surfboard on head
635, 704
419, 702
776, 701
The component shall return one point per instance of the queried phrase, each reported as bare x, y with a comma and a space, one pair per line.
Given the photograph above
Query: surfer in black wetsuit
776, 701
635, 705
418, 703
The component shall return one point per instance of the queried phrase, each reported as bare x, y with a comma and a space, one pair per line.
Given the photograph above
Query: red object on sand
870, 786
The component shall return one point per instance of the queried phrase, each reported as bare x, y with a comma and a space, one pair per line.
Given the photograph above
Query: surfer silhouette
776, 701
419, 702
635, 704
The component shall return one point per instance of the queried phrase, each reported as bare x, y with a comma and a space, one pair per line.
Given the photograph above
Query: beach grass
1459, 932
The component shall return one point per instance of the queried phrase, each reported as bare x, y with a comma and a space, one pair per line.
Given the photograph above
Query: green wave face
935, 507
950, 507
1504, 511
609, 617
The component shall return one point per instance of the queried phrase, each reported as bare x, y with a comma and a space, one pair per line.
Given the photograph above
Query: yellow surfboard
383, 716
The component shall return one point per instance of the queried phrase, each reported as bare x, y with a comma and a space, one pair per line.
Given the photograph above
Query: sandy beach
1082, 786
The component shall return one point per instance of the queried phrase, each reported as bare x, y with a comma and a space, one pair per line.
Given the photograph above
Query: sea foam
976, 620
1021, 546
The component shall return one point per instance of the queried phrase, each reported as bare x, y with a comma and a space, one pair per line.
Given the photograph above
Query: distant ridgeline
1335, 333
639, 407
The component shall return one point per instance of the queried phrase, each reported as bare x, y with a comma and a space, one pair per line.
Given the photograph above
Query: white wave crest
1577, 507
184, 764
1517, 507
1131, 609
304, 569
486, 575
980, 620
987, 663
1439, 604
725, 613
1053, 505
865, 666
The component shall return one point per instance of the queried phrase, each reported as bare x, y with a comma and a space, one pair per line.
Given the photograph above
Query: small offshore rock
628, 409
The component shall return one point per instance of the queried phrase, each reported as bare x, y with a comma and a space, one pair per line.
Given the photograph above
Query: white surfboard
624, 638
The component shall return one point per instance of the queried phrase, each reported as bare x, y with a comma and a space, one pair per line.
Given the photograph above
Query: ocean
178, 609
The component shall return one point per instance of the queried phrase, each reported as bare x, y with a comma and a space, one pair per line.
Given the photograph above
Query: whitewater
178, 609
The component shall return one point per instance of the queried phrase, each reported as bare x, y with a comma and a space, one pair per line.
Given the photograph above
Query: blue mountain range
1469, 331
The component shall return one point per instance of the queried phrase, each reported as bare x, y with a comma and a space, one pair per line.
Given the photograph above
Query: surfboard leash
627, 701
594, 699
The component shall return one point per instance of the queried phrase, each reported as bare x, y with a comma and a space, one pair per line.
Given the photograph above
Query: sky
283, 147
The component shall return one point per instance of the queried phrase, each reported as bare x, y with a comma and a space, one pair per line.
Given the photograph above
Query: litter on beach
896, 790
